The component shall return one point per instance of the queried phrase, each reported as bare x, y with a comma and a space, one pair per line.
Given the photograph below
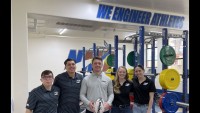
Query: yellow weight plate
170, 79
161, 80
130, 74
108, 73
105, 62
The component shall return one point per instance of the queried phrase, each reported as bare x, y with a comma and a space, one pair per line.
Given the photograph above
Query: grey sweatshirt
96, 86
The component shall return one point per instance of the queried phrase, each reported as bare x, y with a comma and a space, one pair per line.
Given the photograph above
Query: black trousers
87, 111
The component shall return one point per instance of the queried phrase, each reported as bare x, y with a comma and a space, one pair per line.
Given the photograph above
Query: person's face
70, 66
97, 65
139, 72
121, 73
47, 80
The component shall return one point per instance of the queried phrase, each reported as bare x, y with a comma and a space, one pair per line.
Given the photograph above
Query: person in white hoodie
96, 86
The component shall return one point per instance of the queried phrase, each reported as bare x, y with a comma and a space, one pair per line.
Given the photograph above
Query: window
148, 55
177, 44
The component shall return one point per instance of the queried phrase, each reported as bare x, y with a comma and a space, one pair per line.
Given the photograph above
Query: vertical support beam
164, 42
116, 52
94, 50
153, 67
109, 49
97, 51
141, 51
136, 51
185, 68
124, 55
83, 69
153, 55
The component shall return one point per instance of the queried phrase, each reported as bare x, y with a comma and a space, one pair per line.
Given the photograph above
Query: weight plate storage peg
169, 79
110, 59
130, 74
108, 73
169, 102
167, 55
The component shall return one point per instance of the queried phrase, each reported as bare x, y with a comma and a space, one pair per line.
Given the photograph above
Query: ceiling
48, 25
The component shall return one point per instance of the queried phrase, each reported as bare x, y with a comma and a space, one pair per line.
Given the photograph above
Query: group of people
63, 93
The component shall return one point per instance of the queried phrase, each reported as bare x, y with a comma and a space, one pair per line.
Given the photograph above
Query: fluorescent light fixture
131, 34
155, 31
62, 31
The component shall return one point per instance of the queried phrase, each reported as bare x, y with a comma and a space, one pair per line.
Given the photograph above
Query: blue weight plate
169, 102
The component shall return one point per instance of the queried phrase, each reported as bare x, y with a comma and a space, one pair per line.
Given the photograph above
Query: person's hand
91, 105
106, 106
131, 105
149, 111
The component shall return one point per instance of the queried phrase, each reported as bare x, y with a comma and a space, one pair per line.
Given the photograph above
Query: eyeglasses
47, 77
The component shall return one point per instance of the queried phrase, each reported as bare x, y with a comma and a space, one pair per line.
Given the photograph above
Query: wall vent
75, 25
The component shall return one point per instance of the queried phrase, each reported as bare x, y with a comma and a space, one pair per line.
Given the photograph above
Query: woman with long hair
122, 88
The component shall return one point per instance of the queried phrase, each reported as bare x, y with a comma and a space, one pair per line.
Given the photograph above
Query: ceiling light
130, 35
62, 31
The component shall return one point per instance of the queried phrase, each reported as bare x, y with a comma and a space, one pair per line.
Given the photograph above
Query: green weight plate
130, 58
167, 55
110, 60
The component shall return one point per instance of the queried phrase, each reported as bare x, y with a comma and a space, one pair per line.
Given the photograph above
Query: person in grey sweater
97, 85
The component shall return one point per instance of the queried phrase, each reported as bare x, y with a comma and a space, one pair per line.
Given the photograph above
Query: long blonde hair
116, 80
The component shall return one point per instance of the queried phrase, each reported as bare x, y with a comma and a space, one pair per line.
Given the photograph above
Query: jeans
121, 110
140, 108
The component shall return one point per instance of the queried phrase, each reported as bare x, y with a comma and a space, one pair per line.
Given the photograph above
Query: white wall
50, 53
19, 55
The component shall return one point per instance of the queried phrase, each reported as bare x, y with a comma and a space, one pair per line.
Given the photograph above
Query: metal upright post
153, 67
97, 51
116, 52
83, 69
109, 49
164, 42
185, 68
141, 51
135, 50
124, 55
153, 56
94, 50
